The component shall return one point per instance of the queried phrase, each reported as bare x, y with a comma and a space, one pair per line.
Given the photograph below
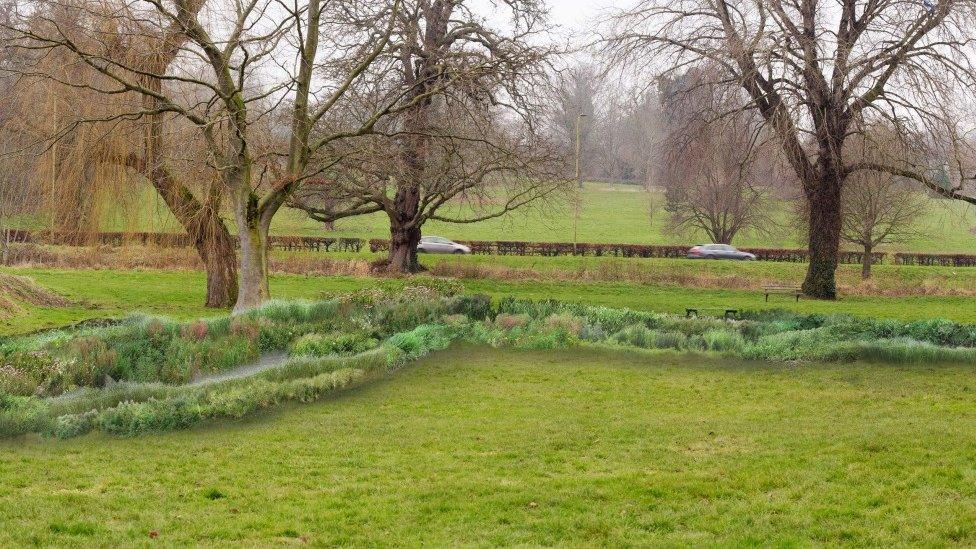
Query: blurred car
439, 245
719, 251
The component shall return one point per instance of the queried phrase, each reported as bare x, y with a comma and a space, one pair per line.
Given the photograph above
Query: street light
579, 148
579, 178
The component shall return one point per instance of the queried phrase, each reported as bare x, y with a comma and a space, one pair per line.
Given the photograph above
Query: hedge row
553, 249
944, 260
175, 240
479, 247
802, 256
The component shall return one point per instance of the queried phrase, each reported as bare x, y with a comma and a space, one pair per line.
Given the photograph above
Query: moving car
438, 245
719, 251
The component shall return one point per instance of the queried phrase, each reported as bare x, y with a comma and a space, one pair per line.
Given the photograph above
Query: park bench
780, 289
730, 314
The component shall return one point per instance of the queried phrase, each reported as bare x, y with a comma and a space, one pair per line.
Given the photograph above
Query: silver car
719, 251
438, 245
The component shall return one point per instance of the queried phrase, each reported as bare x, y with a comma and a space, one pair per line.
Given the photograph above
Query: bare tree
321, 199
575, 97
17, 193
879, 208
640, 131
715, 168
238, 61
477, 166
463, 146
816, 71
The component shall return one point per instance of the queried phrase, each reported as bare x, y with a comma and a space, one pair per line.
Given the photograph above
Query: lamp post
579, 179
579, 148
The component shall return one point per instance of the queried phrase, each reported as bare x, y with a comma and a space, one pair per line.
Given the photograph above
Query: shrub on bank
348, 340
332, 344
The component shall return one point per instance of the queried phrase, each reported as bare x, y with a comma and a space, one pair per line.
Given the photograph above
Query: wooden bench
795, 291
730, 314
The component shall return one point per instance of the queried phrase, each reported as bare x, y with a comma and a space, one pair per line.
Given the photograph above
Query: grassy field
108, 293
583, 447
620, 214
886, 279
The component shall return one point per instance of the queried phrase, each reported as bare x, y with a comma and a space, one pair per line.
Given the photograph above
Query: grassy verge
180, 294
888, 280
476, 446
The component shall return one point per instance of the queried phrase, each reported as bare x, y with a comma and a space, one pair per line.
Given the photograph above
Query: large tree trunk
402, 258
220, 260
866, 262
404, 228
253, 239
823, 198
207, 231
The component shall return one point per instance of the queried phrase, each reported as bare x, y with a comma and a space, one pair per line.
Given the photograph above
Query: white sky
580, 14
572, 16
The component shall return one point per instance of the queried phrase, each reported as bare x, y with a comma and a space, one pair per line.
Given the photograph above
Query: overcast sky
579, 14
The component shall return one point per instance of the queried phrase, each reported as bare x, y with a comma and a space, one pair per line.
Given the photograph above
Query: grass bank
110, 293
888, 280
503, 447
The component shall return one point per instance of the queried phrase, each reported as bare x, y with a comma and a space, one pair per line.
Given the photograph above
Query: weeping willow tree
96, 146
71, 176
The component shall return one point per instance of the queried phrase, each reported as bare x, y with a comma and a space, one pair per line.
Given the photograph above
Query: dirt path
266, 362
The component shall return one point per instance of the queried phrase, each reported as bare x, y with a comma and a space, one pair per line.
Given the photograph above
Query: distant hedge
944, 260
176, 240
479, 247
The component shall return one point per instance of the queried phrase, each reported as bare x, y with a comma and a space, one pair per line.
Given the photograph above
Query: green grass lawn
884, 277
108, 293
502, 447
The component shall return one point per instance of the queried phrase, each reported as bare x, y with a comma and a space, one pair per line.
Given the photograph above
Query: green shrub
793, 345
133, 418
22, 415
896, 351
74, 425
16, 382
420, 341
475, 307
638, 335
398, 316
593, 332
723, 341
305, 367
939, 332
335, 344
543, 338
332, 344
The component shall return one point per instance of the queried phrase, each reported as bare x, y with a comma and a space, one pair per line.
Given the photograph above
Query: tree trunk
209, 235
404, 234
403, 250
220, 260
866, 262
415, 265
252, 236
823, 198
